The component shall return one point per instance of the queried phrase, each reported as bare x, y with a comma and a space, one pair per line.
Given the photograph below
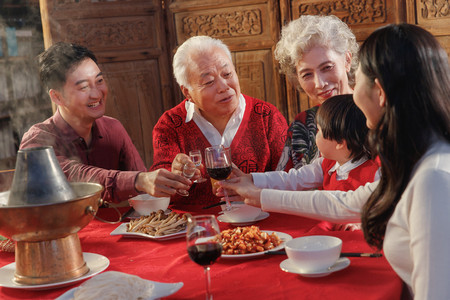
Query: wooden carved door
129, 39
434, 16
361, 16
135, 41
250, 29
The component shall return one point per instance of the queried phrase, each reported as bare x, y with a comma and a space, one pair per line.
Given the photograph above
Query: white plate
283, 236
263, 215
122, 230
342, 263
160, 290
96, 263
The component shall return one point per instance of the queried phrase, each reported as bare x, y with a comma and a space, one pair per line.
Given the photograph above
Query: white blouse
417, 238
307, 177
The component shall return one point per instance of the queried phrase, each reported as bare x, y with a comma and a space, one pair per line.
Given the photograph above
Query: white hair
195, 44
306, 32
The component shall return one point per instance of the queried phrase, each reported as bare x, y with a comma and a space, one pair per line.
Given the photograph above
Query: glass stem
209, 295
228, 204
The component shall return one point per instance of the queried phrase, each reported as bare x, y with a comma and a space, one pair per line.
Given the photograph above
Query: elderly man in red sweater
215, 113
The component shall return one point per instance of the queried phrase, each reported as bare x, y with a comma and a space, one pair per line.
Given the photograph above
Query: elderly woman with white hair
318, 54
215, 113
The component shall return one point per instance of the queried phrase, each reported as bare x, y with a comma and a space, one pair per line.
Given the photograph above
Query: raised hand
244, 187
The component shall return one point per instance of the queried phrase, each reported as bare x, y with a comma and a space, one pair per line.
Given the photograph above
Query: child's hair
341, 120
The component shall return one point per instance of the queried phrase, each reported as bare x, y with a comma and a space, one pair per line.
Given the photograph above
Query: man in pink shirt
91, 147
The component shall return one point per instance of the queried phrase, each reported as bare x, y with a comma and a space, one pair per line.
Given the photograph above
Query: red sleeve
165, 142
118, 185
277, 131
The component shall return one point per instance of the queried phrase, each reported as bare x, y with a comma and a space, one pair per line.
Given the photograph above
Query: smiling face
82, 99
322, 73
214, 85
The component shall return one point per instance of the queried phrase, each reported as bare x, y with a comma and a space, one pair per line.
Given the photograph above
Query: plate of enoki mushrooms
157, 226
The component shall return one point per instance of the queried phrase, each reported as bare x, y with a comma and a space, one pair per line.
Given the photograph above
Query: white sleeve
377, 175
334, 206
429, 221
307, 177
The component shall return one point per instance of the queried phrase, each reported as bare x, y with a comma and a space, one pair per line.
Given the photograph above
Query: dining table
254, 277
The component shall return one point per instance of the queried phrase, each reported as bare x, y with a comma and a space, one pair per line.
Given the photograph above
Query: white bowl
314, 253
145, 204
241, 212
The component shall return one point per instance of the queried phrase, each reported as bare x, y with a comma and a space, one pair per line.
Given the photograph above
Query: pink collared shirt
111, 159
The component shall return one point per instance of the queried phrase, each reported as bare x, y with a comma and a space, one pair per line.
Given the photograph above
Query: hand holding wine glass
203, 244
218, 165
196, 157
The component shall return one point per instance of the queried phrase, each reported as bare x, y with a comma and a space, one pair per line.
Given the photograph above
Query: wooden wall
135, 41
250, 29
129, 39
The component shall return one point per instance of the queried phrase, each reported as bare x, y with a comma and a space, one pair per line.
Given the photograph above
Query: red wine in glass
220, 173
205, 254
218, 165
203, 244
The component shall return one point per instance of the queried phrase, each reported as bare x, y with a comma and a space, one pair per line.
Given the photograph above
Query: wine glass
196, 157
188, 172
218, 166
204, 244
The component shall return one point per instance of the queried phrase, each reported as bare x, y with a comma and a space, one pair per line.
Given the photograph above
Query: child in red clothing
345, 162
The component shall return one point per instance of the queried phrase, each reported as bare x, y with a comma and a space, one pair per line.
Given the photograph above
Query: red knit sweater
256, 146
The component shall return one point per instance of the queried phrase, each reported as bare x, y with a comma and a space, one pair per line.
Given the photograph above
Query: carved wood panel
132, 93
362, 17
129, 40
433, 15
256, 77
250, 29
135, 41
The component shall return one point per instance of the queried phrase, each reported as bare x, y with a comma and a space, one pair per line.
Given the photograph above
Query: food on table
249, 239
159, 224
114, 285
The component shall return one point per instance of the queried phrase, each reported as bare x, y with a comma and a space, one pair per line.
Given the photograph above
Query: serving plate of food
156, 226
250, 241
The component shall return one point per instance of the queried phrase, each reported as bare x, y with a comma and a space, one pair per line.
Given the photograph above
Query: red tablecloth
256, 278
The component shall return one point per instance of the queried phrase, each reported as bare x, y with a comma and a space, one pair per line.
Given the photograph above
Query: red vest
359, 176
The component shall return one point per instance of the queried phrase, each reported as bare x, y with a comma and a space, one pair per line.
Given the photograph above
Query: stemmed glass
188, 172
196, 157
218, 166
203, 244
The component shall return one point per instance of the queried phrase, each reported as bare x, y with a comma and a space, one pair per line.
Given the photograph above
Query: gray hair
195, 44
306, 32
